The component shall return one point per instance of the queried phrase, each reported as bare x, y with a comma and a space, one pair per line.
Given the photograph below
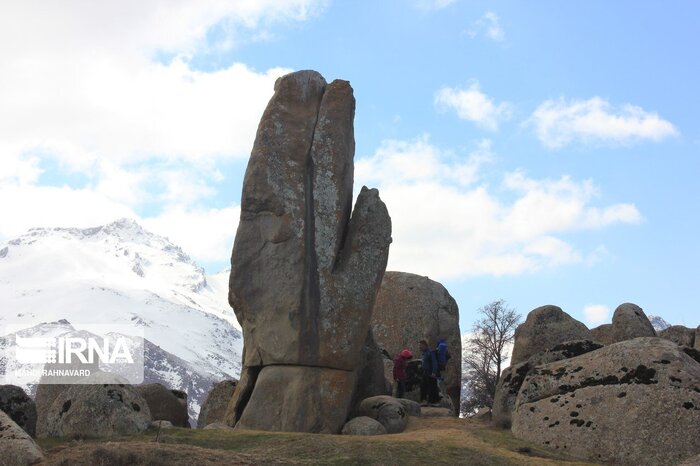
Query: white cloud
596, 314
490, 25
447, 229
206, 234
558, 123
473, 105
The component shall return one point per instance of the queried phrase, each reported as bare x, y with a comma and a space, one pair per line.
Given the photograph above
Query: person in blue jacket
428, 387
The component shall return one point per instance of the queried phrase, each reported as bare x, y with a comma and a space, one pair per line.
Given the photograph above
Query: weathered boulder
363, 425
389, 411
513, 377
22, 410
697, 338
16, 446
45, 396
160, 424
544, 328
603, 333
165, 404
410, 308
214, 407
299, 399
679, 334
484, 414
304, 271
412, 408
104, 410
633, 402
629, 321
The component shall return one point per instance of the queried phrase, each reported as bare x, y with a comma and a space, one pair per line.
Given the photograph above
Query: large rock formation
164, 404
16, 446
410, 308
544, 328
603, 334
214, 407
513, 377
629, 321
679, 334
304, 272
22, 410
635, 402
103, 410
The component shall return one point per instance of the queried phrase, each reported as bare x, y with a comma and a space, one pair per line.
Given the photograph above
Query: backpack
443, 354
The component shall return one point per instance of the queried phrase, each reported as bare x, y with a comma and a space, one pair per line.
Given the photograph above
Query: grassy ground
433, 441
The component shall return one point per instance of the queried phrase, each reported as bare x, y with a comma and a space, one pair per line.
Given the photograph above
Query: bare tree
485, 353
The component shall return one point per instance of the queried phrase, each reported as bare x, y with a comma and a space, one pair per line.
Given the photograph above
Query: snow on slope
659, 323
122, 274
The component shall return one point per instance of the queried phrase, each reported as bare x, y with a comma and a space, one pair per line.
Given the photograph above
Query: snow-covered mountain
658, 322
121, 274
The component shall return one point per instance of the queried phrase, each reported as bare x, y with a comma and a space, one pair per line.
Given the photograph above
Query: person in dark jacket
428, 387
400, 376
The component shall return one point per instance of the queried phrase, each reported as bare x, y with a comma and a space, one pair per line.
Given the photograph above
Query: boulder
299, 399
363, 425
636, 402
679, 334
388, 410
512, 377
410, 308
544, 328
22, 410
214, 407
16, 445
629, 321
603, 333
305, 270
160, 424
165, 404
412, 408
697, 338
104, 410
46, 394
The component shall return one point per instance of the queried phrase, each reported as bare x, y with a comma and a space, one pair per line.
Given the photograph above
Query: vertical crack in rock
310, 300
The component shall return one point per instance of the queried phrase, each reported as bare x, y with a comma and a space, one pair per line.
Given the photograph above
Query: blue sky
542, 152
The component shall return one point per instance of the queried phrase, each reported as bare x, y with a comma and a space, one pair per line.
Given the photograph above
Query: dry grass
434, 441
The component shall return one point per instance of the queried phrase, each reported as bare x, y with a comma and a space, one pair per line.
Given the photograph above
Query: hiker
400, 376
443, 355
428, 385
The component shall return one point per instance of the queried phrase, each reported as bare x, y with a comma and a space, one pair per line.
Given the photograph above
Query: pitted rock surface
22, 410
609, 405
16, 446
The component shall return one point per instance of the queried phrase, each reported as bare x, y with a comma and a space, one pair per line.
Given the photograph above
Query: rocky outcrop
16, 446
544, 328
371, 375
603, 333
363, 425
44, 398
304, 271
679, 334
633, 402
410, 308
214, 407
387, 410
22, 410
629, 321
697, 338
513, 377
104, 410
164, 404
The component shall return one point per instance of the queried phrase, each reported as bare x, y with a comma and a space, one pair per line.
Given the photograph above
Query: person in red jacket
400, 376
